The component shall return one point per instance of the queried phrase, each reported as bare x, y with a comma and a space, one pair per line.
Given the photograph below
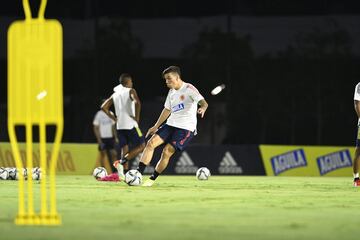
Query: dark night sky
81, 9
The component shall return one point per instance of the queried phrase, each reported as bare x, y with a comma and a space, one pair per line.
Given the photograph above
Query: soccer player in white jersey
127, 109
104, 130
356, 162
180, 109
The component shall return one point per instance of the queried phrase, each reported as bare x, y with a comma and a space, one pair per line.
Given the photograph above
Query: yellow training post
35, 98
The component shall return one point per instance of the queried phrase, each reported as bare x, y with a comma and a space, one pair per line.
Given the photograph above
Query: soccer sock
113, 169
356, 175
124, 159
141, 167
154, 175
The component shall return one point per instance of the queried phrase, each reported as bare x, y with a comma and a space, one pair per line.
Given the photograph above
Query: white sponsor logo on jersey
178, 107
185, 164
228, 165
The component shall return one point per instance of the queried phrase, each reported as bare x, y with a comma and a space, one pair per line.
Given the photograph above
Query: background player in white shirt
356, 163
127, 109
180, 110
104, 130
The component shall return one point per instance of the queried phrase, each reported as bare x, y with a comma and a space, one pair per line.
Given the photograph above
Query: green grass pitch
181, 207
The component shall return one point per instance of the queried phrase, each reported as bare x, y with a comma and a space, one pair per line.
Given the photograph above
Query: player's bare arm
163, 116
136, 99
115, 133
203, 106
97, 133
357, 107
106, 108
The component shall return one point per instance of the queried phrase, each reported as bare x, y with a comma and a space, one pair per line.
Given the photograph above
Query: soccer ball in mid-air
99, 172
203, 173
4, 174
133, 178
36, 173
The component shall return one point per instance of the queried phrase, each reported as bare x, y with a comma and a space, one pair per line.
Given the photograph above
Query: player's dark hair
172, 69
124, 77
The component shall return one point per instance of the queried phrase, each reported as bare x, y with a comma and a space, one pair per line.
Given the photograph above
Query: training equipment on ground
114, 177
36, 173
99, 172
35, 98
203, 173
24, 174
133, 178
12, 173
4, 174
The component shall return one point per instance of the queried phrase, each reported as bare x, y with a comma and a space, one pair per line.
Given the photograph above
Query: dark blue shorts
109, 143
179, 138
132, 137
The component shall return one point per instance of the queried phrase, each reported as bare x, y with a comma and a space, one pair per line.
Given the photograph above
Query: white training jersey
105, 124
124, 108
357, 96
357, 92
183, 106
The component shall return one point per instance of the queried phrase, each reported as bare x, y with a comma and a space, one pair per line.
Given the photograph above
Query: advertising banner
307, 160
219, 159
271, 160
73, 158
83, 158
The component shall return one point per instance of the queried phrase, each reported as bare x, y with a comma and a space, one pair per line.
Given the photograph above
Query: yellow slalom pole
29, 165
29, 146
43, 162
54, 216
15, 148
43, 167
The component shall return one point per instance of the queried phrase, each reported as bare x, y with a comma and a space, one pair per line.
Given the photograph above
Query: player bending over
127, 109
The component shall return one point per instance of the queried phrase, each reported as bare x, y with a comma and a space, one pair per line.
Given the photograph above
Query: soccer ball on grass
133, 178
4, 174
36, 173
24, 172
99, 172
203, 173
12, 173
